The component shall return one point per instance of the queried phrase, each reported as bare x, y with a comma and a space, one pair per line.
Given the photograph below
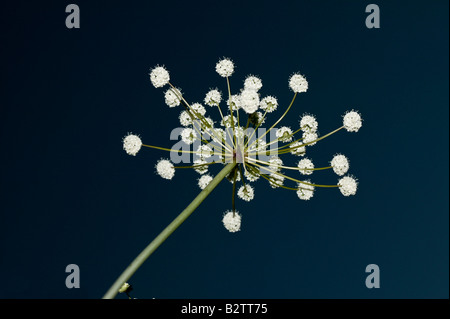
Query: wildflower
352, 121
188, 135
249, 101
198, 109
298, 148
305, 191
159, 76
247, 156
274, 163
213, 97
165, 169
204, 180
284, 134
132, 144
298, 83
305, 166
308, 123
252, 83
269, 104
232, 221
340, 164
173, 97
309, 138
185, 118
246, 192
348, 185
225, 67
235, 102
204, 151
276, 180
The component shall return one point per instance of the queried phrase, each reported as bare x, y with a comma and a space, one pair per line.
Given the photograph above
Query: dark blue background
70, 194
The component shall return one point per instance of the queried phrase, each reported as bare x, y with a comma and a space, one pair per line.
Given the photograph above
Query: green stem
139, 260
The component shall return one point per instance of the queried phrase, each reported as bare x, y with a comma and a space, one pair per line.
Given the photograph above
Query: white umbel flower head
297, 148
235, 101
252, 83
249, 101
309, 138
165, 169
188, 135
269, 104
284, 134
306, 166
198, 109
232, 221
172, 97
348, 185
204, 181
225, 67
308, 123
352, 121
185, 118
213, 97
159, 76
305, 191
132, 144
204, 151
276, 180
298, 83
246, 192
274, 163
340, 164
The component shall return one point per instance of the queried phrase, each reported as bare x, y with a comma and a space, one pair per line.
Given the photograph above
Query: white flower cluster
253, 156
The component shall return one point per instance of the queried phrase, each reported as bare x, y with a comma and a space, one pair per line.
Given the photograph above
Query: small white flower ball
204, 181
348, 185
306, 166
340, 164
198, 109
308, 123
132, 144
172, 97
159, 76
249, 101
252, 83
213, 97
276, 180
298, 83
297, 148
305, 191
274, 163
185, 118
269, 104
232, 221
284, 134
165, 169
352, 121
188, 135
246, 192
225, 67
310, 138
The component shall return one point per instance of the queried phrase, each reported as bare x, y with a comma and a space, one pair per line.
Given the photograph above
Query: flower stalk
142, 257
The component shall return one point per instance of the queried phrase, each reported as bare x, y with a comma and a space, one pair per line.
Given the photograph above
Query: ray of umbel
243, 151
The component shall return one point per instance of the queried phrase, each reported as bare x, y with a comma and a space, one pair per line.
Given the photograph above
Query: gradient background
70, 194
